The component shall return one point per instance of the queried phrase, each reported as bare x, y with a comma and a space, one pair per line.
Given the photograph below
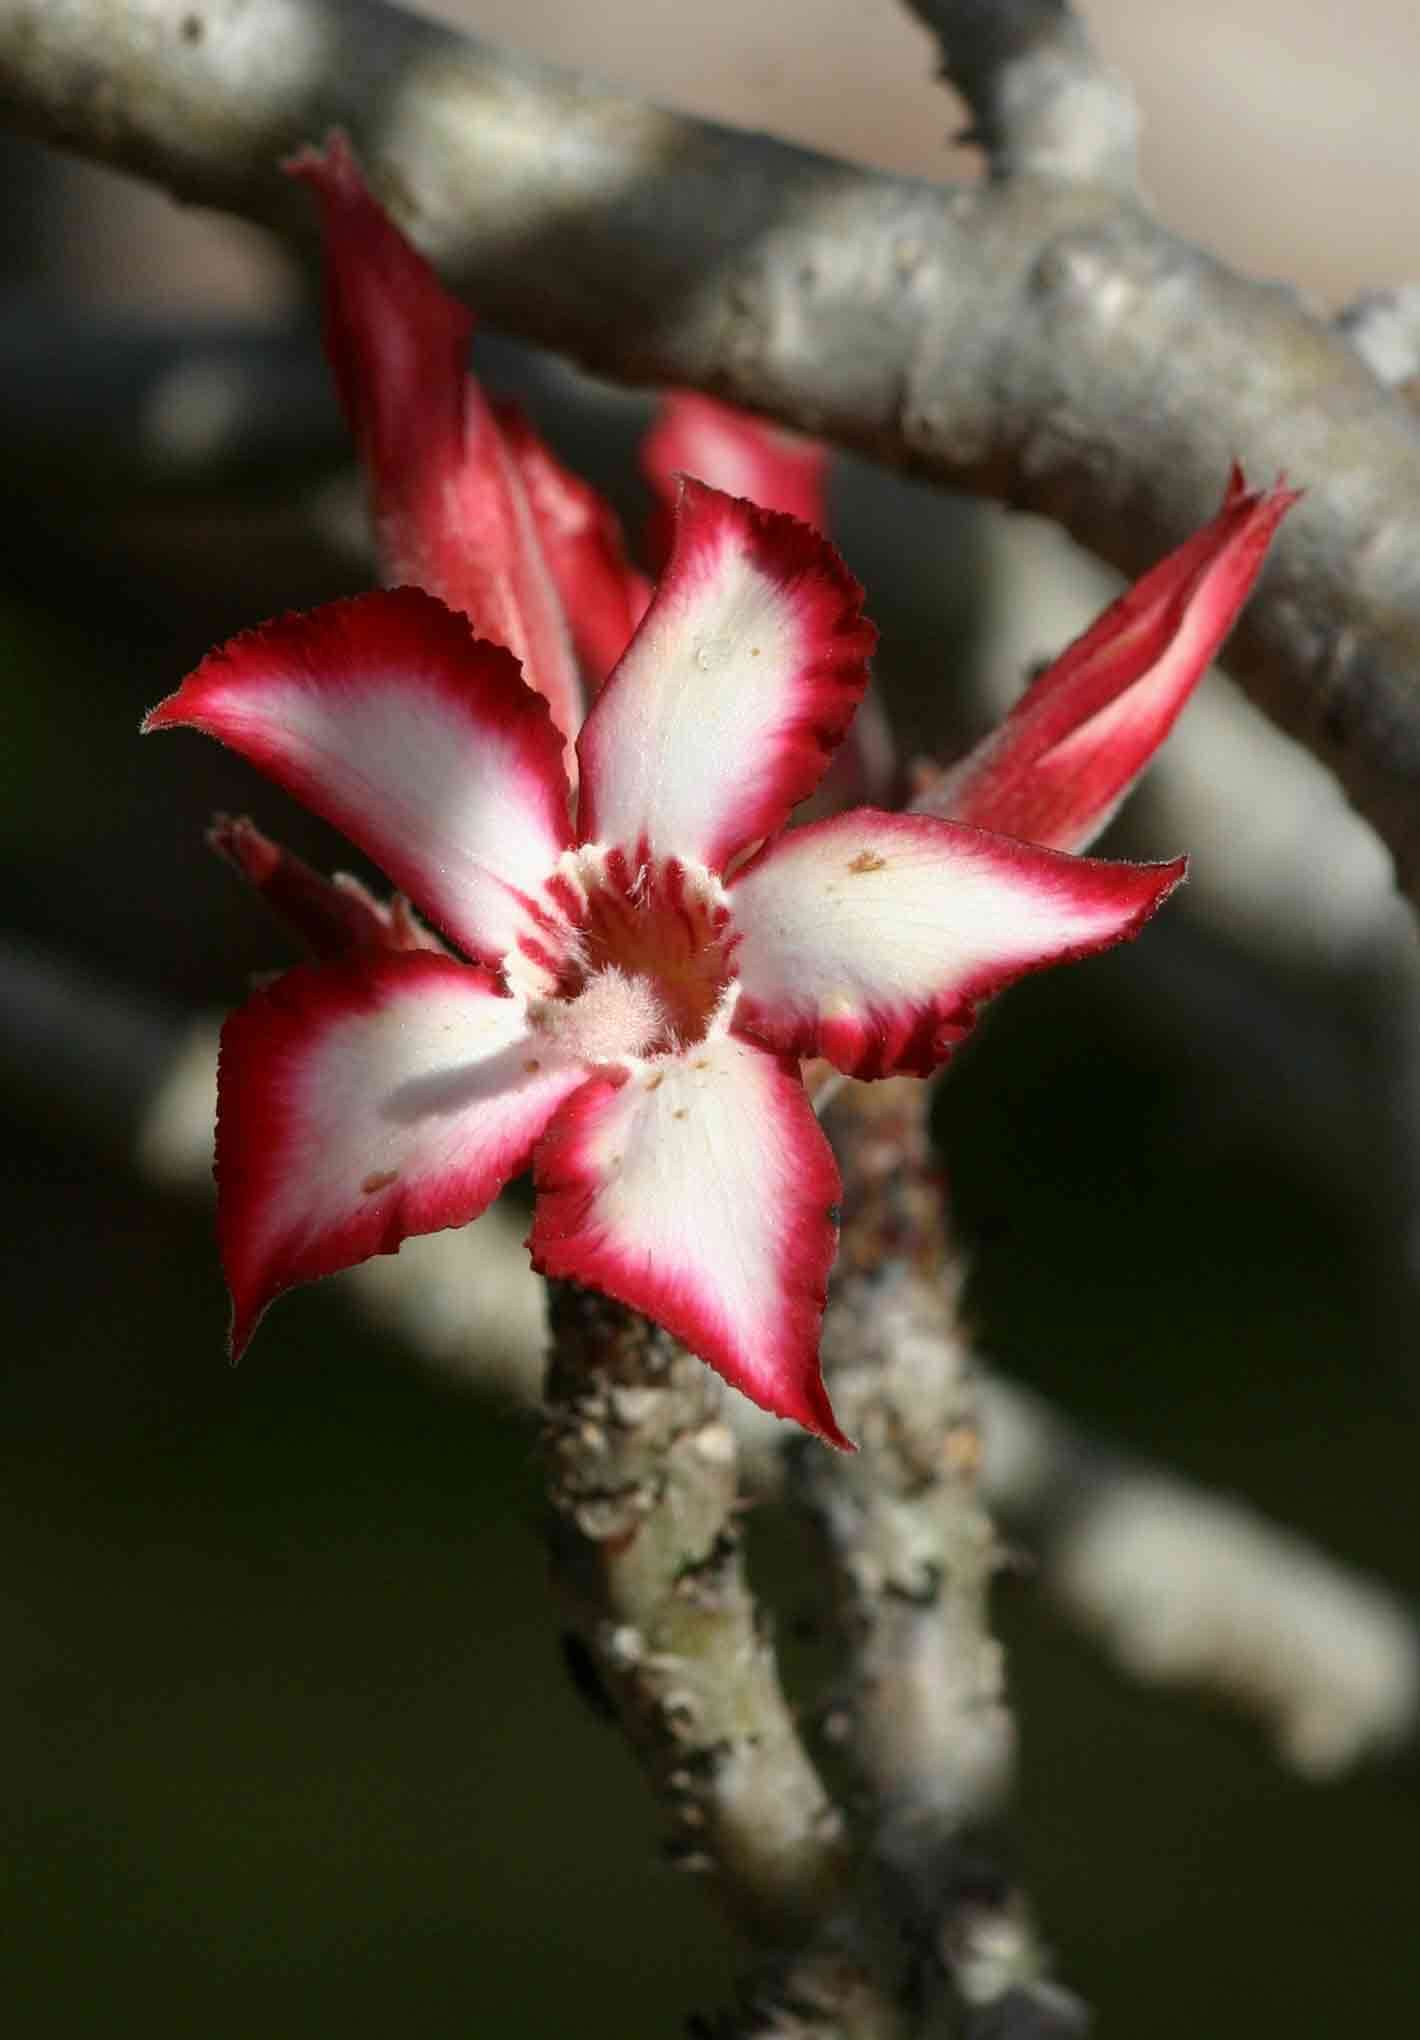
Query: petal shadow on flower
441, 1092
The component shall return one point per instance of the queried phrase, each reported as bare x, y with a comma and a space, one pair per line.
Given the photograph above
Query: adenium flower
635, 980
623, 985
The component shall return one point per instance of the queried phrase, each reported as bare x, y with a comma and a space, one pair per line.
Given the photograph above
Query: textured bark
1041, 339
664, 1634
911, 1553
643, 1481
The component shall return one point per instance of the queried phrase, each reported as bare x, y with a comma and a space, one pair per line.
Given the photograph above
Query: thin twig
1039, 339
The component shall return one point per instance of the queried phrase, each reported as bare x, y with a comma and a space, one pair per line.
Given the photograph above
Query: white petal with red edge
736, 688
389, 718
871, 938
698, 1190
362, 1102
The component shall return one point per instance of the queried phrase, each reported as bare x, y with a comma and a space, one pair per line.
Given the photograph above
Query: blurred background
286, 1735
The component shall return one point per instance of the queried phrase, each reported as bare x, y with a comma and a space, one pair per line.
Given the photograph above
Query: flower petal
362, 1102
734, 451
698, 1189
1071, 748
451, 512
747, 456
871, 938
735, 690
389, 718
603, 595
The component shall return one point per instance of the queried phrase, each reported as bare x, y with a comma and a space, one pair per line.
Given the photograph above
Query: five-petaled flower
640, 985
634, 950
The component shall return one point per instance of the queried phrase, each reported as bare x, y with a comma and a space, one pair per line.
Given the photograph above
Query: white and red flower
635, 979
627, 971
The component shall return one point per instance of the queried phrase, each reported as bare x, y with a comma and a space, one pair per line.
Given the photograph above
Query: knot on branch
1042, 103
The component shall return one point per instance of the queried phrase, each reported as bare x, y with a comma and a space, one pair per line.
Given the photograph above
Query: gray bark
911, 1552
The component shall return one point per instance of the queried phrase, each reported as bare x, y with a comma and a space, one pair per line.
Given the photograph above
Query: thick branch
1039, 340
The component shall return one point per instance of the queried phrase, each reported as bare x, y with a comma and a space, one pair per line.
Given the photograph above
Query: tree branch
643, 1481
1186, 1588
912, 1553
1041, 101
1041, 340
1384, 328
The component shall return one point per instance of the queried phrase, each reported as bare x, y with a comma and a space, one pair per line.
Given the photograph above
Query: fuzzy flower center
640, 957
